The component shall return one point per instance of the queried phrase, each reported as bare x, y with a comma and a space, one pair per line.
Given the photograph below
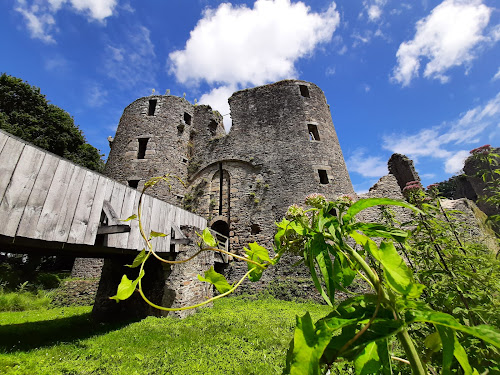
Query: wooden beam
111, 229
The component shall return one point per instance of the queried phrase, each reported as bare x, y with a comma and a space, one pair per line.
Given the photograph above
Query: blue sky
418, 77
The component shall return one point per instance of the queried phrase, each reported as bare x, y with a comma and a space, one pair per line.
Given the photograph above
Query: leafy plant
335, 247
362, 328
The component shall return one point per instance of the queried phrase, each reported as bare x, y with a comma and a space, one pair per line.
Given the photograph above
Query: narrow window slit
304, 91
187, 118
143, 143
313, 132
133, 183
323, 177
152, 107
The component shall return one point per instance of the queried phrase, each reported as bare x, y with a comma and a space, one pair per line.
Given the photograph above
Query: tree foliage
27, 114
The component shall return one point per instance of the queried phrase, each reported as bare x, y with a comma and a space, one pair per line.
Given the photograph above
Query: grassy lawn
236, 336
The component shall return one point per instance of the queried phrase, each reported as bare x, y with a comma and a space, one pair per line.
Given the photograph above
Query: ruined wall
402, 168
472, 168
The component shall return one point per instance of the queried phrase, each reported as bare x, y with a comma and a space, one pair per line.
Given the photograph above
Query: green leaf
307, 346
448, 338
396, 272
258, 254
139, 259
484, 332
208, 239
324, 262
452, 347
130, 218
380, 230
126, 287
373, 359
157, 234
370, 202
216, 279
433, 342
343, 274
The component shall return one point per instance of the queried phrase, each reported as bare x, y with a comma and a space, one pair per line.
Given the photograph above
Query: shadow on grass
26, 336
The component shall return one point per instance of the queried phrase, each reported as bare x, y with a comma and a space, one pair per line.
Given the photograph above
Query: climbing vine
335, 247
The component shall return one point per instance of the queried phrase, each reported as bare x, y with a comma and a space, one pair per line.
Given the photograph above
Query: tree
27, 114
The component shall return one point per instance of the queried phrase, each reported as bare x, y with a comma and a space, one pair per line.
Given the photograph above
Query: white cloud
40, 14
367, 166
39, 24
456, 162
95, 95
330, 71
240, 45
132, 62
497, 75
217, 99
373, 9
448, 37
440, 142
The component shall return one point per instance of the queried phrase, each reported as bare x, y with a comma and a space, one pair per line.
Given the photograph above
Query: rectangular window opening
143, 143
212, 127
187, 118
313, 132
323, 177
133, 183
152, 107
304, 91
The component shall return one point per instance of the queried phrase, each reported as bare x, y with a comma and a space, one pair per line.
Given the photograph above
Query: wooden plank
70, 201
53, 206
103, 190
155, 222
162, 241
36, 200
19, 189
9, 157
117, 203
146, 214
3, 139
83, 208
168, 225
135, 240
127, 211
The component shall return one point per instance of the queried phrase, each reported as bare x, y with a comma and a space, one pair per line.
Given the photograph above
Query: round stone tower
287, 127
152, 139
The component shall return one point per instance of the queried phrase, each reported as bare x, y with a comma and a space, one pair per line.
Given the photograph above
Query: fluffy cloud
441, 141
373, 9
217, 98
234, 45
131, 63
448, 37
367, 166
39, 14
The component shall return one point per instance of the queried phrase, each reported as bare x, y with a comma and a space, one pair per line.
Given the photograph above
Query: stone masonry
282, 146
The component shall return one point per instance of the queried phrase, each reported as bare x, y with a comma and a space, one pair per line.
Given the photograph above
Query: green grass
236, 336
21, 301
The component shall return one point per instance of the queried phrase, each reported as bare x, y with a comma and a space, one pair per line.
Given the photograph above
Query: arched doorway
221, 226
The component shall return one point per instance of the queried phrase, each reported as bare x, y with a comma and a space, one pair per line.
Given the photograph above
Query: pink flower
485, 149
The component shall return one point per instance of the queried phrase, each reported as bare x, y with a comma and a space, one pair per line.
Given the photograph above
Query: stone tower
282, 146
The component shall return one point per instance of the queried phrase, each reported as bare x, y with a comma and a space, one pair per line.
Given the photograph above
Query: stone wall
163, 284
87, 268
402, 168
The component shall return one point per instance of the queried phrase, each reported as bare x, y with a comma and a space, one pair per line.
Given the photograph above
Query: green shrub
21, 301
48, 281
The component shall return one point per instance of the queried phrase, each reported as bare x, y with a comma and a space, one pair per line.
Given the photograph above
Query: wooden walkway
51, 205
